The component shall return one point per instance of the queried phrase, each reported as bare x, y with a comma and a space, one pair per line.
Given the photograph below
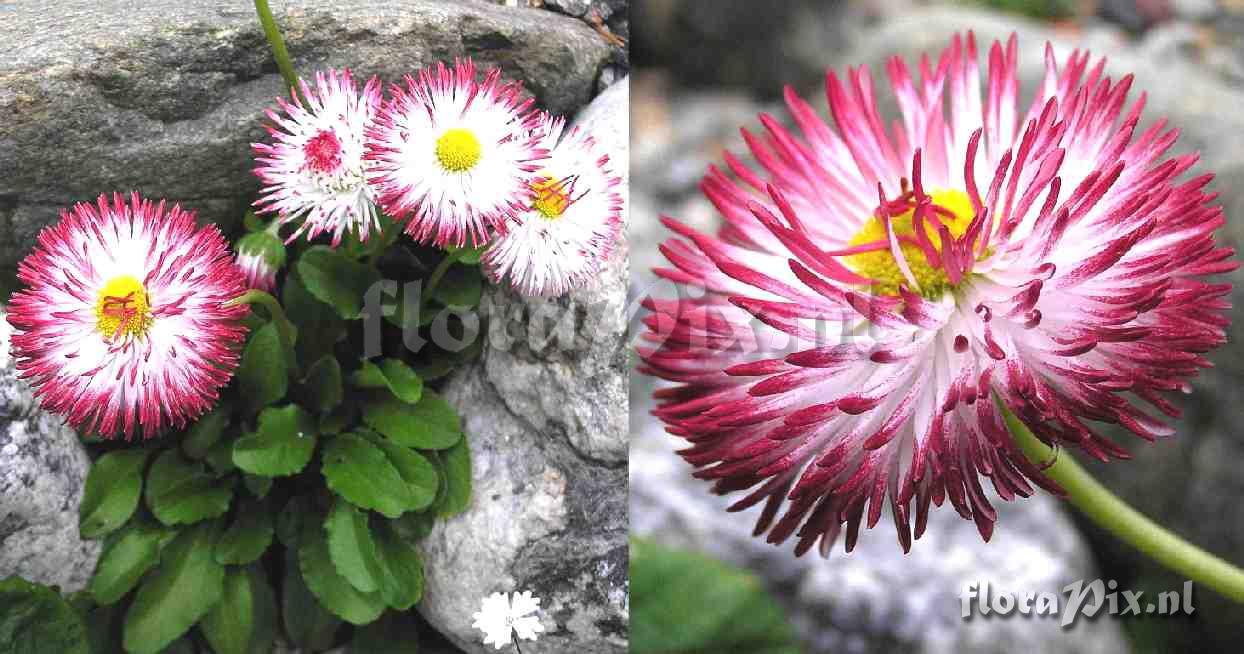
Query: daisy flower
570, 228
453, 155
122, 323
875, 291
314, 169
500, 618
260, 256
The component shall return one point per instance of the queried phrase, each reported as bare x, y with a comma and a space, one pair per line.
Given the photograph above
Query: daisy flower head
572, 223
453, 155
500, 617
876, 291
260, 256
122, 324
314, 169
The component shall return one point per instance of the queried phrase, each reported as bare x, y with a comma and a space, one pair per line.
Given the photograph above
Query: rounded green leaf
113, 487
35, 619
456, 462
229, 625
307, 623
125, 560
431, 424
330, 588
203, 434
419, 474
182, 492
265, 614
323, 384
360, 472
392, 374
319, 326
401, 578
248, 537
281, 445
351, 547
186, 585
336, 280
263, 375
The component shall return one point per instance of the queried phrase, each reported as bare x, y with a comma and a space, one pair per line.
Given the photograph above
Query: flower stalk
279, 52
1117, 517
289, 334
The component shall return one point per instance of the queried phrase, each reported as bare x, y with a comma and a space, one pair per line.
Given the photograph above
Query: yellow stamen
122, 309
880, 264
457, 150
551, 197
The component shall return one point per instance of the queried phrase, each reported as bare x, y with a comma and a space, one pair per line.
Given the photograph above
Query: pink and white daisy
260, 256
570, 228
314, 170
874, 291
122, 324
453, 155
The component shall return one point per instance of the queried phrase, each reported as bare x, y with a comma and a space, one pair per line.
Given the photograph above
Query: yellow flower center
881, 266
122, 309
552, 196
457, 150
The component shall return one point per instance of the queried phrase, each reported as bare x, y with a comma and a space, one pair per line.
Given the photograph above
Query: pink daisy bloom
260, 256
874, 291
571, 226
122, 323
453, 156
314, 170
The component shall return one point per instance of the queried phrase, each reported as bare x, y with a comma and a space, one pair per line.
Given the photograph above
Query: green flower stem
279, 52
288, 332
1116, 516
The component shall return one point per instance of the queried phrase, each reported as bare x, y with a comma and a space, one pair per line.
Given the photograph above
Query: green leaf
413, 526
323, 384
468, 256
263, 375
204, 433
220, 459
332, 590
125, 560
393, 374
265, 613
182, 492
350, 546
35, 619
419, 474
258, 485
401, 576
248, 537
228, 626
460, 288
457, 465
337, 281
282, 445
319, 327
669, 614
429, 425
289, 520
183, 645
307, 623
186, 585
360, 472
113, 487
393, 633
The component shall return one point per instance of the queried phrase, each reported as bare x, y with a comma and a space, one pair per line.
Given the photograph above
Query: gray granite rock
545, 414
43, 469
164, 97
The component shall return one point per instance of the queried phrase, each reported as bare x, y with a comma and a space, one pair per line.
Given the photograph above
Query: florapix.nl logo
1078, 598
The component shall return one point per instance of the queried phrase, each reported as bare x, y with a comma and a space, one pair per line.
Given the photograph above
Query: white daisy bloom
315, 168
452, 155
572, 224
500, 617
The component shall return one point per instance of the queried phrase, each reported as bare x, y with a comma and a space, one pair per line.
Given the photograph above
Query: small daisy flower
500, 617
260, 256
122, 324
453, 155
840, 346
572, 224
314, 169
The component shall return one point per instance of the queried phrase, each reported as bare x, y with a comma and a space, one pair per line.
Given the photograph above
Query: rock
545, 413
43, 470
165, 98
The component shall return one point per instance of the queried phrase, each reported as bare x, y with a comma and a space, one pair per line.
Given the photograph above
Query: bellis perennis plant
889, 309
294, 441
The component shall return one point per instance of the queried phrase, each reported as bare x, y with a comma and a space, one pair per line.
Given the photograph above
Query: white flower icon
501, 618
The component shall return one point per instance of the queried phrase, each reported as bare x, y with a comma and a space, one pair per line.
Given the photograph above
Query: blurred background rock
703, 69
